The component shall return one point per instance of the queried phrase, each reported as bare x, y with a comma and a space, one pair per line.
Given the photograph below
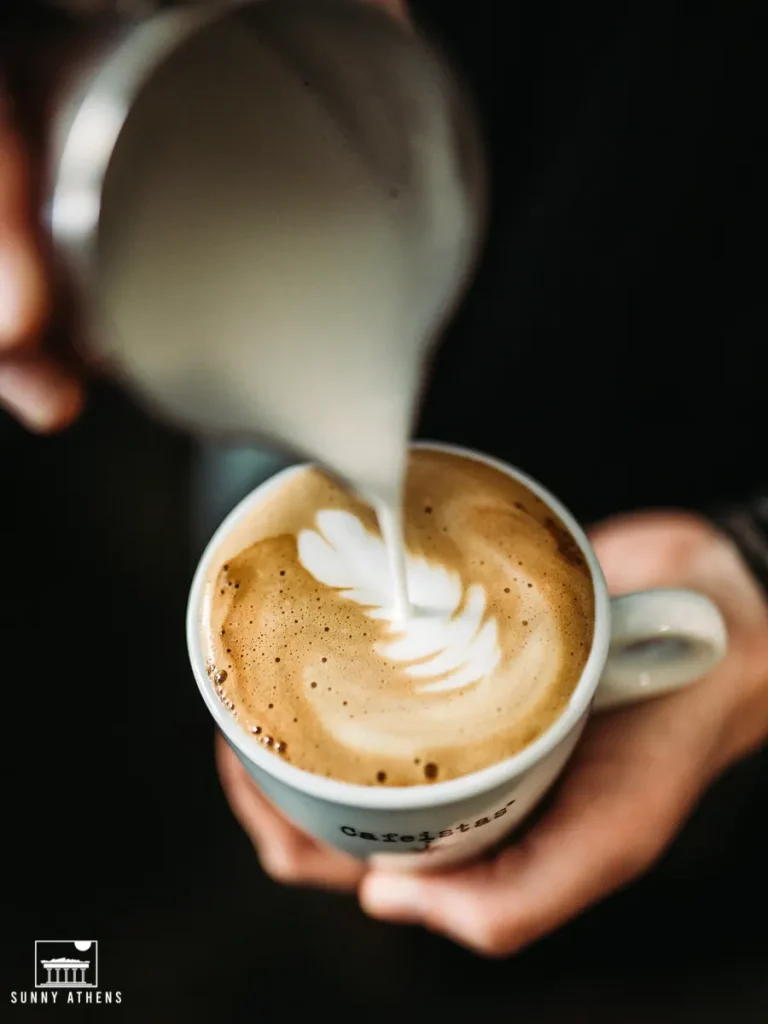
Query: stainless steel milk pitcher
298, 139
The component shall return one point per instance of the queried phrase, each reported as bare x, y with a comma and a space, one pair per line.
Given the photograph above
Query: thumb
22, 280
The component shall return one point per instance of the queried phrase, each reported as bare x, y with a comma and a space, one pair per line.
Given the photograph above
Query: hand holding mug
634, 778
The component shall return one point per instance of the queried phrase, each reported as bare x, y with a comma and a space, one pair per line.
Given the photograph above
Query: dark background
613, 347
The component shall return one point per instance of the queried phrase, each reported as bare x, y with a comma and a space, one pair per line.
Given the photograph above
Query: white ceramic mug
644, 644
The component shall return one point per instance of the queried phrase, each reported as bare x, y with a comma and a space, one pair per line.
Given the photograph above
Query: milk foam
303, 621
450, 643
446, 638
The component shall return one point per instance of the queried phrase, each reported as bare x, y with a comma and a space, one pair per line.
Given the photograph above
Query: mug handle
661, 640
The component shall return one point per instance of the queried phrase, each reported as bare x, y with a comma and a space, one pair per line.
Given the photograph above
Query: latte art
306, 650
447, 638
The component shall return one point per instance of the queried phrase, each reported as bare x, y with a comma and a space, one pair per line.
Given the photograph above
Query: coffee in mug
306, 650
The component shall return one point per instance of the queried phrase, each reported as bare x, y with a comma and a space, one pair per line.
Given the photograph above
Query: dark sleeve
746, 524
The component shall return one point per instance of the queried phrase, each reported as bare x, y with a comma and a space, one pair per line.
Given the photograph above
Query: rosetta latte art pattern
306, 648
449, 639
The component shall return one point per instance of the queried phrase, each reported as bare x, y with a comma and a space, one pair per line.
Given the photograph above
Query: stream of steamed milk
390, 517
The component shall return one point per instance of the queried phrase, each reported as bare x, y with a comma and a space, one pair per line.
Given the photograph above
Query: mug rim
422, 795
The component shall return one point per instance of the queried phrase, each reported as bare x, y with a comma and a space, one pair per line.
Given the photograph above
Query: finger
614, 816
40, 393
639, 550
286, 853
23, 295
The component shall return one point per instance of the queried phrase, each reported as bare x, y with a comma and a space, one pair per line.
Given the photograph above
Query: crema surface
304, 648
